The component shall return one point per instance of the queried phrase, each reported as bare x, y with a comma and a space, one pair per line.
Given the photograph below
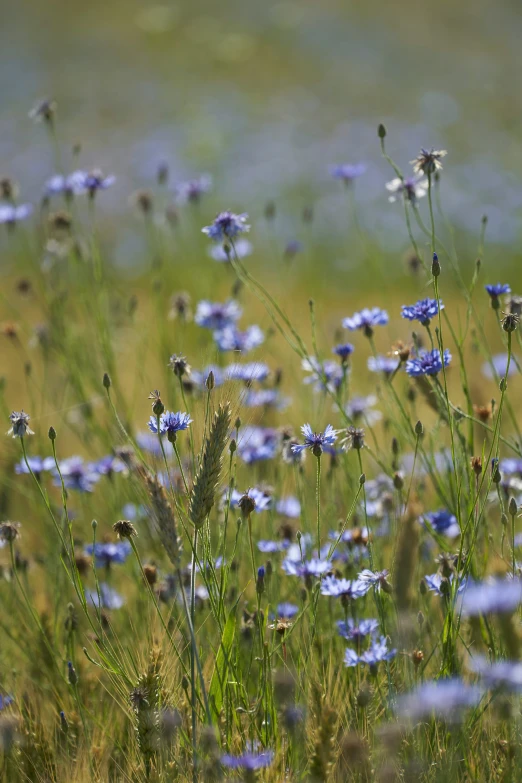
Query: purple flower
427, 363
69, 185
5, 701
251, 371
250, 760
263, 501
95, 180
499, 368
366, 319
316, 441
511, 466
377, 652
270, 547
286, 610
257, 443
497, 289
76, 475
306, 568
343, 351
37, 465
108, 553
384, 364
346, 588
434, 583
373, 578
359, 408
293, 247
500, 674
222, 253
351, 630
214, 315
191, 191
108, 598
444, 698
443, 522
108, 465
410, 188
13, 213
169, 423
226, 225
423, 311
496, 596
231, 339
326, 376
289, 507
266, 398
347, 172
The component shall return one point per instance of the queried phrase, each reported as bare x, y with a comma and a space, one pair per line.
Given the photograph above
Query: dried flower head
510, 322
179, 365
44, 111
428, 161
9, 531
354, 438
124, 529
19, 424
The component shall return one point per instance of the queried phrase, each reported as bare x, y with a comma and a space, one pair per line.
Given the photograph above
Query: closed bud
63, 722
260, 582
435, 266
94, 524
362, 479
398, 481
233, 446
419, 429
381, 131
211, 381
237, 423
71, 674
52, 433
106, 380
512, 508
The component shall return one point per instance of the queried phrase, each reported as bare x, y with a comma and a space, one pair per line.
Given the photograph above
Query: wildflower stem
318, 499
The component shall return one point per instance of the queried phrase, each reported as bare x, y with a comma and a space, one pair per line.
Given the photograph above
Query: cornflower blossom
500, 363
344, 588
287, 610
68, 185
347, 172
217, 315
434, 583
231, 339
497, 289
221, 253
343, 351
289, 507
378, 651
227, 225
108, 598
266, 398
376, 579
199, 378
511, 466
385, 364
316, 441
5, 701
107, 466
492, 597
505, 675
423, 310
191, 191
96, 180
446, 699
76, 475
257, 443
13, 213
410, 188
306, 568
443, 522
326, 376
169, 423
106, 554
248, 372
19, 424
360, 408
427, 363
251, 759
349, 629
269, 547
38, 465
263, 501
366, 319
428, 161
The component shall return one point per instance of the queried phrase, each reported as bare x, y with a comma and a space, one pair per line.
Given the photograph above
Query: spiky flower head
428, 161
315, 441
227, 225
19, 424
124, 529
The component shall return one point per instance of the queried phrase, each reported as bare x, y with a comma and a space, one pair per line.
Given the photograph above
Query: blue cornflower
37, 465
316, 441
248, 372
499, 362
497, 289
287, 610
263, 501
107, 466
349, 629
360, 408
411, 188
293, 247
500, 674
366, 319
384, 364
376, 579
231, 339
251, 759
169, 423
347, 172
69, 185
226, 225
217, 315
257, 443
344, 588
269, 547
327, 375
108, 598
13, 213
443, 522
496, 596
444, 698
343, 351
427, 363
95, 180
76, 475
192, 190
378, 651
511, 466
106, 554
266, 398
289, 507
222, 253
423, 310
306, 568
434, 583
5, 701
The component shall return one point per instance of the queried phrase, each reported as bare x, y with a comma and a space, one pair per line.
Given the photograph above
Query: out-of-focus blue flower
227, 225
423, 310
68, 185
37, 464
5, 701
217, 315
169, 423
95, 180
257, 443
434, 583
343, 350
511, 466
351, 630
219, 253
347, 172
262, 499
248, 372
76, 475
366, 319
305, 568
410, 188
266, 398
347, 588
106, 554
132, 512
13, 213
200, 378
384, 364
505, 675
497, 289
360, 408
231, 339
269, 547
149, 442
492, 597
443, 522
427, 363
289, 507
287, 610
316, 441
108, 465
192, 190
446, 699
499, 361
373, 578
107, 599
251, 759
378, 651
327, 375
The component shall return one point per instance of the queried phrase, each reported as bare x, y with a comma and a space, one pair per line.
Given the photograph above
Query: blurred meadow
210, 644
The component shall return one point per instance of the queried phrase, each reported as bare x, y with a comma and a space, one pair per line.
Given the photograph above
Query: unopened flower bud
52, 433
106, 380
435, 266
